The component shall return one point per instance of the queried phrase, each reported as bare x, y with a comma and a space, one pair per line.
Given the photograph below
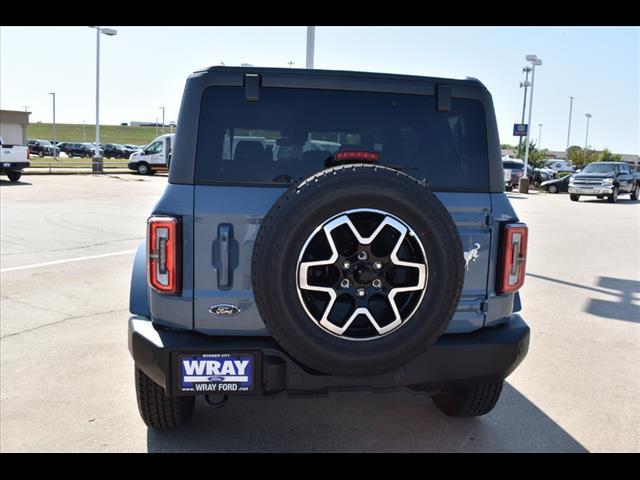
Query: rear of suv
324, 230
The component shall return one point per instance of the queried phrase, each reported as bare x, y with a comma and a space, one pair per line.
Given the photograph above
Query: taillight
514, 257
357, 155
163, 254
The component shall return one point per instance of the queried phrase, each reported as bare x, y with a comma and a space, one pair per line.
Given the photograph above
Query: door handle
225, 233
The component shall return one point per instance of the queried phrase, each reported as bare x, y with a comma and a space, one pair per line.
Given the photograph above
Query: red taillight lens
514, 256
163, 254
357, 155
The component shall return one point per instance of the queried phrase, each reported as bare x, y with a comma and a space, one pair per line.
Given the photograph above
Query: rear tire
143, 169
574, 197
157, 409
14, 176
41, 153
553, 189
469, 402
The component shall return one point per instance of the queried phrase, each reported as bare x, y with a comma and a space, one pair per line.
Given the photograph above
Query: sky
144, 68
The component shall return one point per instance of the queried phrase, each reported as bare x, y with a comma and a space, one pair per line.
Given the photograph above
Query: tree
579, 157
536, 157
607, 156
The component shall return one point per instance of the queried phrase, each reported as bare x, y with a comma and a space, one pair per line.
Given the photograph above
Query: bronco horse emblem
471, 255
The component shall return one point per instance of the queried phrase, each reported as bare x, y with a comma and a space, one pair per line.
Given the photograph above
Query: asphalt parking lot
67, 378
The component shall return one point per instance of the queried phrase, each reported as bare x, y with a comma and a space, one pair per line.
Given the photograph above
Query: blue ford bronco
329, 230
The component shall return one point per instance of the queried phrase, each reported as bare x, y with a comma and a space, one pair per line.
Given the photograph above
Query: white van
154, 157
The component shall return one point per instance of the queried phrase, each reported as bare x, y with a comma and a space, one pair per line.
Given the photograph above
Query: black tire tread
156, 408
469, 402
285, 199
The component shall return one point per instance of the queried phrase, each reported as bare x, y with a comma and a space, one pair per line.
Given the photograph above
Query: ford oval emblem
224, 310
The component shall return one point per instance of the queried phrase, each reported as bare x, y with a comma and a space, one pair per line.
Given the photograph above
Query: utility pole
524, 84
586, 138
54, 123
311, 40
540, 136
523, 186
569, 130
96, 166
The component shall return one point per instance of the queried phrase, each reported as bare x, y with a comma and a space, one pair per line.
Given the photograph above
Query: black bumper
14, 166
454, 361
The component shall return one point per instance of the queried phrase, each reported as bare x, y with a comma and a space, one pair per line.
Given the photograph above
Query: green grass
67, 132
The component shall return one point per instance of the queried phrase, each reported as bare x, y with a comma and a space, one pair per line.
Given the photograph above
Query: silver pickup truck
13, 159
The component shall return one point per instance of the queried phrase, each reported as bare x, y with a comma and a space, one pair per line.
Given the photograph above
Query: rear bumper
454, 361
13, 166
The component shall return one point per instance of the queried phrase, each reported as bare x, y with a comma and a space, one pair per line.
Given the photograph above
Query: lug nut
346, 265
377, 283
362, 255
377, 265
361, 292
344, 283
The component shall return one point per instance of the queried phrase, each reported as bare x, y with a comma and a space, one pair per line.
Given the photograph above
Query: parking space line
68, 260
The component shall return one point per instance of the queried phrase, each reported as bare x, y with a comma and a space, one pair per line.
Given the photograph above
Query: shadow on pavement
363, 422
19, 183
621, 289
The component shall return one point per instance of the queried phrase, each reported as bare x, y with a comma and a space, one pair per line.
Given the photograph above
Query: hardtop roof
470, 81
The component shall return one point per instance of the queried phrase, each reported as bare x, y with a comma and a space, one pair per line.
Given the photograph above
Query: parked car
154, 157
556, 185
604, 179
42, 148
129, 149
560, 165
538, 175
112, 150
514, 169
76, 149
259, 277
13, 159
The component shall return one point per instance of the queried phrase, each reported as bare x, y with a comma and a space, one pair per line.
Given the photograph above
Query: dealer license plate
217, 372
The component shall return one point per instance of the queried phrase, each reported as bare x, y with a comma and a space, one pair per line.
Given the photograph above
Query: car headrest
246, 150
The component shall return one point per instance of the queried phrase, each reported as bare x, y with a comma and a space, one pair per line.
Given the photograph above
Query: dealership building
13, 126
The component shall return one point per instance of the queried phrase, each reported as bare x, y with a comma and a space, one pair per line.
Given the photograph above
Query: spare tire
357, 270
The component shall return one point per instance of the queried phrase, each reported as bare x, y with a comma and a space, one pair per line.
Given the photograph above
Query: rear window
291, 133
513, 165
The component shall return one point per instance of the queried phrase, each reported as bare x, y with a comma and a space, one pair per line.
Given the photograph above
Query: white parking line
68, 260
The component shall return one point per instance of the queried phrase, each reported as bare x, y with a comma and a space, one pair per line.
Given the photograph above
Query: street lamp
539, 135
569, 130
524, 180
524, 84
54, 123
311, 40
588, 115
97, 160
162, 108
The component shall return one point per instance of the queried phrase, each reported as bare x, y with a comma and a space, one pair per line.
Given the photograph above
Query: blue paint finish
244, 207
139, 291
177, 310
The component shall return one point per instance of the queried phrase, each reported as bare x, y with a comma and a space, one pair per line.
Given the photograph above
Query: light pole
539, 135
162, 108
524, 84
586, 137
569, 130
54, 123
97, 160
523, 186
311, 41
